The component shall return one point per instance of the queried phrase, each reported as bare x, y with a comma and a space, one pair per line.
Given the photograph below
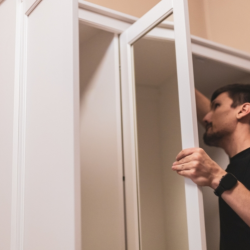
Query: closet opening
102, 208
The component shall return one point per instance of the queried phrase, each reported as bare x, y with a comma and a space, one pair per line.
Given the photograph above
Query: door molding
18, 176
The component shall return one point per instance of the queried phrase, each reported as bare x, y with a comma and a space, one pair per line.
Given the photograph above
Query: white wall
101, 152
7, 80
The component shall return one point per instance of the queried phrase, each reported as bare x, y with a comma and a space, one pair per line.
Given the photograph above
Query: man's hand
195, 164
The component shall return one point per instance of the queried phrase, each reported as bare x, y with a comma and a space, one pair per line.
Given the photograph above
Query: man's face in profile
220, 121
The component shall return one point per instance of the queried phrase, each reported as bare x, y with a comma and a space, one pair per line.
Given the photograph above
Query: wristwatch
227, 182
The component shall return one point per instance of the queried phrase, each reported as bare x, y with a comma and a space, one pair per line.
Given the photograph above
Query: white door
194, 203
8, 24
46, 203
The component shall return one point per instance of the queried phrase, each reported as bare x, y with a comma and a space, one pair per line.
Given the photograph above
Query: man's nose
207, 118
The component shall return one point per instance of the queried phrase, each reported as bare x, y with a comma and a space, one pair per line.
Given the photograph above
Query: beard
213, 138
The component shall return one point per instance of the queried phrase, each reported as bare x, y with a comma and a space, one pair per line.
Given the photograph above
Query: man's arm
238, 199
195, 164
202, 106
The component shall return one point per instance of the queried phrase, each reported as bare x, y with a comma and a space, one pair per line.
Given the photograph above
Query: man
227, 123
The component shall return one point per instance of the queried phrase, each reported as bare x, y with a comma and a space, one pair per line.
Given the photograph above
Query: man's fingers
185, 173
180, 167
184, 160
185, 152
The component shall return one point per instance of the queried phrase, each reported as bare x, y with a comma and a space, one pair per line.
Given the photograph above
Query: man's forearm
238, 199
202, 105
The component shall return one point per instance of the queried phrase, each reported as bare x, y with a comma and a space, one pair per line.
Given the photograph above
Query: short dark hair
238, 92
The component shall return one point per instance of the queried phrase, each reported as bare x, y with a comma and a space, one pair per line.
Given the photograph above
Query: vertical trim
18, 176
189, 130
122, 149
129, 147
119, 139
76, 121
19, 127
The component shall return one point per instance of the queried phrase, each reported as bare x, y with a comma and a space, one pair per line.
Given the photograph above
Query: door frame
189, 130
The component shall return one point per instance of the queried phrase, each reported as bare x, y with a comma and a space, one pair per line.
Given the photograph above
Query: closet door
48, 181
8, 25
188, 130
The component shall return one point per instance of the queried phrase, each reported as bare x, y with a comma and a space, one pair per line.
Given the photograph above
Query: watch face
228, 182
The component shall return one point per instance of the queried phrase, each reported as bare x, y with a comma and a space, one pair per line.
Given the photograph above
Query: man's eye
216, 105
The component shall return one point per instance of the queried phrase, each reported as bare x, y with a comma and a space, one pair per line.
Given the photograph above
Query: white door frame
194, 200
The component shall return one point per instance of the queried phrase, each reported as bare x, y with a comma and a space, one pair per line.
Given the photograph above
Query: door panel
52, 168
7, 84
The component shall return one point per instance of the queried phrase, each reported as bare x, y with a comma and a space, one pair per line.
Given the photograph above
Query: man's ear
244, 110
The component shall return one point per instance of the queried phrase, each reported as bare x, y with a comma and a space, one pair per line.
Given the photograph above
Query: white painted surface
102, 21
101, 143
151, 19
52, 162
240, 62
7, 83
189, 131
129, 144
30, 5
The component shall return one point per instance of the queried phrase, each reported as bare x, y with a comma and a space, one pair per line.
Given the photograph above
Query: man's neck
238, 141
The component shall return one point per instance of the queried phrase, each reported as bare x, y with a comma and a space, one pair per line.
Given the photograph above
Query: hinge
123, 178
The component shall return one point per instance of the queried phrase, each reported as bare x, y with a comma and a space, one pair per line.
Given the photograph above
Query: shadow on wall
96, 51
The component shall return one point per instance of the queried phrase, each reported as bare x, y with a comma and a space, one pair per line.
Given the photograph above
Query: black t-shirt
234, 232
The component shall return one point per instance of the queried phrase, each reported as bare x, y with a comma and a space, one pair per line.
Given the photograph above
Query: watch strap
227, 182
219, 190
